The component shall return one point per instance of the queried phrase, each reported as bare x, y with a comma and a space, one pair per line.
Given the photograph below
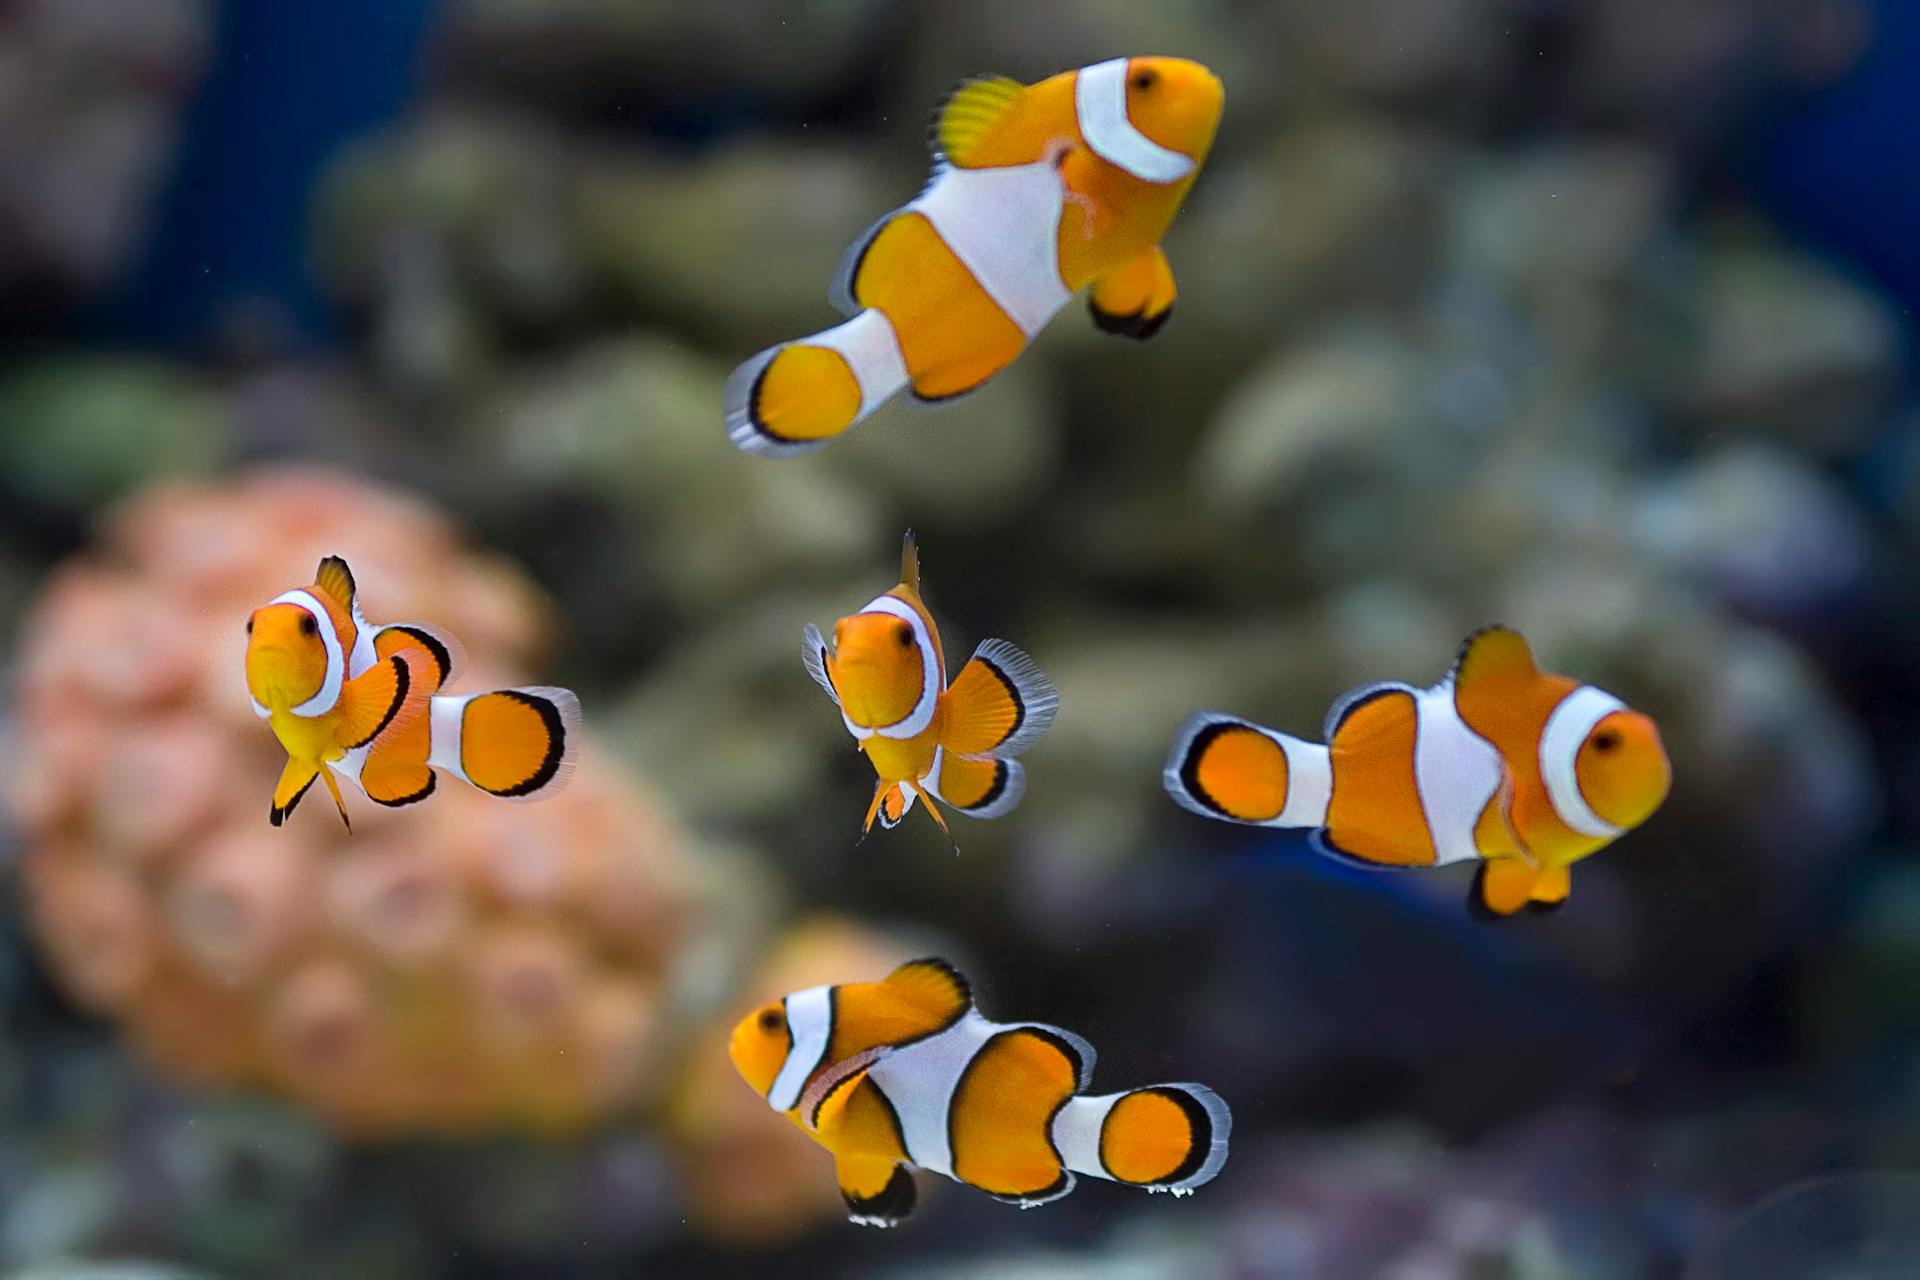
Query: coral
462, 965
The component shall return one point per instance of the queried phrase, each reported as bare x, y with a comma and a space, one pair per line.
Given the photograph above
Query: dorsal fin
1353, 699
334, 578
910, 561
934, 985
969, 112
1492, 653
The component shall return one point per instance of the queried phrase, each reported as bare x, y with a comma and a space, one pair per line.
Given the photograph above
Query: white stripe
1567, 728
932, 678
919, 1081
1004, 226
1076, 1133
329, 696
1455, 770
809, 1022
872, 351
1309, 783
445, 721
932, 781
349, 765
258, 710
1100, 96
363, 656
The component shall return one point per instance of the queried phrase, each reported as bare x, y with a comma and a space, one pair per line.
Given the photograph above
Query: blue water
289, 85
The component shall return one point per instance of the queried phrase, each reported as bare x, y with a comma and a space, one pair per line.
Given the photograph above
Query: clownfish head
1622, 768
288, 658
760, 1044
1175, 103
879, 667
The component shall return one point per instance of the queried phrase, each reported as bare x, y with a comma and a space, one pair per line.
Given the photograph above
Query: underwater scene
1209, 639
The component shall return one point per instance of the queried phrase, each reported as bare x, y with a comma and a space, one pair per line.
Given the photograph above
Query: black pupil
770, 1021
1143, 81
249, 626
308, 626
1605, 741
904, 634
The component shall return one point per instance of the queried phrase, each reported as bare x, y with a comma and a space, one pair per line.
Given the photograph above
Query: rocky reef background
1582, 316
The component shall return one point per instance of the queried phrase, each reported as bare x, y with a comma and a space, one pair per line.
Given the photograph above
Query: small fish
349, 698
927, 739
905, 1073
1037, 191
1523, 771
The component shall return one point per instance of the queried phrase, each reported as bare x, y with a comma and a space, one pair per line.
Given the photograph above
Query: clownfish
954, 743
1524, 771
1037, 191
349, 698
905, 1074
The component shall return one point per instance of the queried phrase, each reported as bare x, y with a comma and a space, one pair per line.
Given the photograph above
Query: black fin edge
402, 683
891, 1207
556, 745
277, 815
1137, 325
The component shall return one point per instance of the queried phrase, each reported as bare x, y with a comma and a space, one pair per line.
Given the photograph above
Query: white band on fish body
349, 765
872, 351
1004, 226
810, 1024
1567, 728
1455, 771
445, 720
931, 677
1100, 97
329, 696
919, 1081
1309, 783
1077, 1130
361, 660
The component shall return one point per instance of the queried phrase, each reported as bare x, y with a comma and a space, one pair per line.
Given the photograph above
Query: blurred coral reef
1474, 325
462, 966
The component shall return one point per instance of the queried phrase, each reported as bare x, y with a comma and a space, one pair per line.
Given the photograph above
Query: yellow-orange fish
349, 698
906, 1073
1524, 771
1037, 192
887, 673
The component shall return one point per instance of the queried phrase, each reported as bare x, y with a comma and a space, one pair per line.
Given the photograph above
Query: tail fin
519, 744
1165, 1137
797, 396
1223, 767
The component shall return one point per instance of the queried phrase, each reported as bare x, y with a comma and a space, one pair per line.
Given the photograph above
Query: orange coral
460, 965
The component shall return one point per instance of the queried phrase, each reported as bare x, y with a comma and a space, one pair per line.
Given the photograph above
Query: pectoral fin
372, 701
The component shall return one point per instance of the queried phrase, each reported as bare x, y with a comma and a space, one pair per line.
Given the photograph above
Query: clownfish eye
770, 1020
1144, 80
903, 632
249, 626
1606, 741
309, 626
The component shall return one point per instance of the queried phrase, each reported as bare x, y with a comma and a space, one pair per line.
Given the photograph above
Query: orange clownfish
1037, 191
348, 698
1523, 771
953, 743
906, 1074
